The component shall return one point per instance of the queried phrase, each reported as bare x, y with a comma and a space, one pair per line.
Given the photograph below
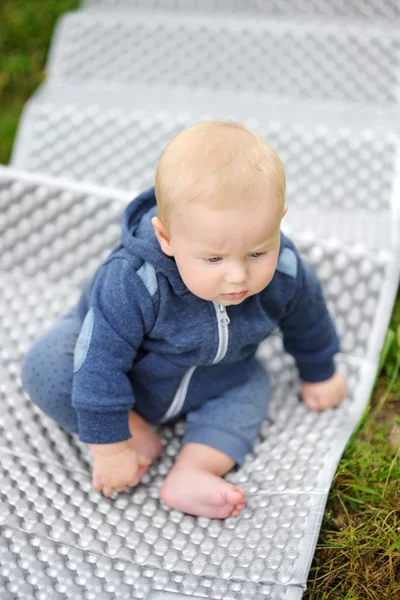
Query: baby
170, 323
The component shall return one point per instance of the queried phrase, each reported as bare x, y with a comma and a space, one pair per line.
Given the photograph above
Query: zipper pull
224, 319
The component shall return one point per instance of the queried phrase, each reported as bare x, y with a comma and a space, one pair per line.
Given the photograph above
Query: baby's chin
224, 300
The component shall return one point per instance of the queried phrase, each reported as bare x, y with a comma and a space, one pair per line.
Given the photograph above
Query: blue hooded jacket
146, 340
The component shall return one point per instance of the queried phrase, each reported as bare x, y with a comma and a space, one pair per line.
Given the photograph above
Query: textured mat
57, 534
343, 62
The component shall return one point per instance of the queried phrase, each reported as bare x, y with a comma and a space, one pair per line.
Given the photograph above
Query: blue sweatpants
230, 422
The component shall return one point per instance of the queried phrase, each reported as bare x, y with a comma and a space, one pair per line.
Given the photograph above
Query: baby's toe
235, 496
237, 509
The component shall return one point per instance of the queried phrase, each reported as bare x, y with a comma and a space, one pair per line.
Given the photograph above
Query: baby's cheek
206, 288
199, 283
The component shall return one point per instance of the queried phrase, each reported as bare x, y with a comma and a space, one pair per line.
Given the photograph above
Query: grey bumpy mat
121, 83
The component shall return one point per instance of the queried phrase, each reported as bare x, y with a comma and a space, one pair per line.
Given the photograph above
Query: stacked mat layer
322, 88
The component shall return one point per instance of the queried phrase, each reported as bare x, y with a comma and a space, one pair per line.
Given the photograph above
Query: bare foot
201, 493
144, 439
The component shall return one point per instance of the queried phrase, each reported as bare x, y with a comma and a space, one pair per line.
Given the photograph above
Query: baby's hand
115, 466
325, 394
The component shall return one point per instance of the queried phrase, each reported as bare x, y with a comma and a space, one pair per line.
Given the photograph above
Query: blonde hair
211, 161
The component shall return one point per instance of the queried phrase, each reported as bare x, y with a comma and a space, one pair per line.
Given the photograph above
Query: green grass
26, 27
358, 552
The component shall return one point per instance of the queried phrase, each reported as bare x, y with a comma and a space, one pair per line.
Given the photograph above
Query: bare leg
144, 439
195, 484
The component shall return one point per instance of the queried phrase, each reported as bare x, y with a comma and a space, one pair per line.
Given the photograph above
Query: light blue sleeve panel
287, 263
83, 341
147, 274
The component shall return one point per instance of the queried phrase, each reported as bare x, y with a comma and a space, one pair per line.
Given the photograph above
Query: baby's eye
214, 259
256, 254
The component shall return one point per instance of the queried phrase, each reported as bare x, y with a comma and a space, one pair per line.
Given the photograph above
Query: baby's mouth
235, 295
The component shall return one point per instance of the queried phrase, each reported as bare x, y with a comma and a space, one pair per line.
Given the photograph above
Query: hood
138, 237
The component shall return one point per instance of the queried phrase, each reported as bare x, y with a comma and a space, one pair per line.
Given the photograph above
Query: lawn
358, 552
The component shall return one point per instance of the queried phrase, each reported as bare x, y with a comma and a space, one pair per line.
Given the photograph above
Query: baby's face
226, 255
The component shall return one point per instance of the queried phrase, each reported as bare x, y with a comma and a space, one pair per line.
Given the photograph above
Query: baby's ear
285, 209
162, 236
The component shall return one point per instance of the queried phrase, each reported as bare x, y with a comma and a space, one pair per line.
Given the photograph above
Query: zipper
180, 395
223, 338
223, 333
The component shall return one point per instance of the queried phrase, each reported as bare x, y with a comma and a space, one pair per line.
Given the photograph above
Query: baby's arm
310, 336
102, 394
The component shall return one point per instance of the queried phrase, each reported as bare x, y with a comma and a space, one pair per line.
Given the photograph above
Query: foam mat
58, 534
121, 84
353, 62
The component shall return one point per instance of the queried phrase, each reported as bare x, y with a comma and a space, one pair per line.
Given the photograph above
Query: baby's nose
236, 274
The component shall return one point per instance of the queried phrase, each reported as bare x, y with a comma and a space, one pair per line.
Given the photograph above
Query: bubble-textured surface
353, 63
36, 568
50, 516
49, 230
